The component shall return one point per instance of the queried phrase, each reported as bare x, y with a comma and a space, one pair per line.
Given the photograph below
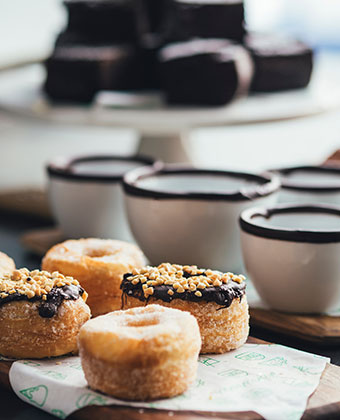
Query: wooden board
321, 329
32, 202
325, 401
39, 241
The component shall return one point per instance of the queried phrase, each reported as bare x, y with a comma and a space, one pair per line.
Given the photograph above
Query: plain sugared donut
98, 265
140, 354
40, 314
6, 264
217, 300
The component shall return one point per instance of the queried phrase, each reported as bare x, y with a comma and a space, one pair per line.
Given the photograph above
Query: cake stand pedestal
168, 148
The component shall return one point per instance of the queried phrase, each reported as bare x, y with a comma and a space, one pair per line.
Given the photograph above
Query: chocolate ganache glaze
49, 289
49, 307
223, 293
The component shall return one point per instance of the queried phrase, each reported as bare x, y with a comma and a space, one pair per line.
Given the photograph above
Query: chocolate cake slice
280, 63
207, 19
106, 20
204, 72
149, 48
76, 73
156, 12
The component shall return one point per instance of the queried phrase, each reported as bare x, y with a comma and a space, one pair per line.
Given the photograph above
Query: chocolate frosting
49, 307
222, 295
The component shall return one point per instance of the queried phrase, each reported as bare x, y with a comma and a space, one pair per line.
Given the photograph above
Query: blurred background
28, 31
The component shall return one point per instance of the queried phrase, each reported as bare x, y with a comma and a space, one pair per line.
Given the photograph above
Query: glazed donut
98, 265
6, 264
40, 314
140, 354
216, 299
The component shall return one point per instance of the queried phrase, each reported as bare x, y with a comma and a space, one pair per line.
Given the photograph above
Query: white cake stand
164, 130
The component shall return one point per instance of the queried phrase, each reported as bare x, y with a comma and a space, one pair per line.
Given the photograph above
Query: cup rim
268, 184
298, 186
61, 166
289, 234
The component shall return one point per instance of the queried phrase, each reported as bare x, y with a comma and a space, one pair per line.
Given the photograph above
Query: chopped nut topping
34, 283
181, 278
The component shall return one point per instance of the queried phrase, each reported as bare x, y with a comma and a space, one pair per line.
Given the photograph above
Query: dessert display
140, 354
280, 63
40, 314
208, 19
204, 71
7, 265
217, 300
98, 265
78, 72
124, 44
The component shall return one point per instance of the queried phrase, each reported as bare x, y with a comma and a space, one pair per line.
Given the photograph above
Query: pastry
155, 12
75, 73
40, 314
207, 19
217, 300
108, 21
7, 265
98, 265
280, 63
149, 49
140, 354
204, 72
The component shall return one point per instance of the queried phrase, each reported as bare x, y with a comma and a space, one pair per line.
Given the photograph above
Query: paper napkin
272, 380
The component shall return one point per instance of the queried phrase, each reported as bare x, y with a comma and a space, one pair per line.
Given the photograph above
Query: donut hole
96, 252
142, 322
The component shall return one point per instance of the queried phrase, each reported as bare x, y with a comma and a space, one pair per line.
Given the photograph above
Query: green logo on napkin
76, 366
90, 399
54, 375
250, 355
208, 361
275, 361
59, 413
29, 363
36, 394
233, 372
306, 369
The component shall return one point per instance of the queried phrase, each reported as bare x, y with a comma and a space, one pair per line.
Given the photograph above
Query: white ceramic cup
310, 184
292, 255
186, 215
86, 195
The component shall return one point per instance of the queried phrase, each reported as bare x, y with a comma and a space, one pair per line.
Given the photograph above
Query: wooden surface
33, 202
41, 240
323, 403
321, 329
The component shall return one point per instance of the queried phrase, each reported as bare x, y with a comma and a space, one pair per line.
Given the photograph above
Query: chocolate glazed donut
216, 299
40, 314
